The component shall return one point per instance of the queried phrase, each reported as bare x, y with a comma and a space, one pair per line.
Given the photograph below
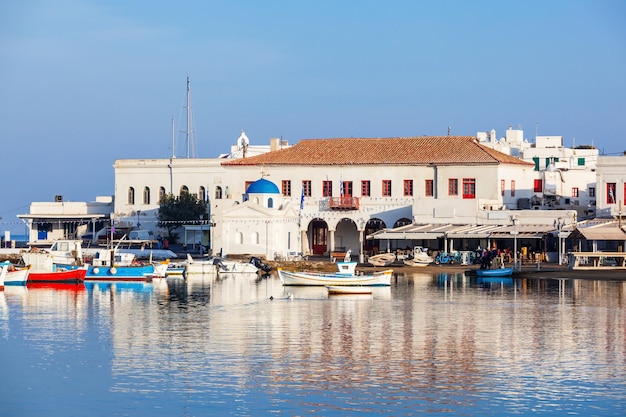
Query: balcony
343, 203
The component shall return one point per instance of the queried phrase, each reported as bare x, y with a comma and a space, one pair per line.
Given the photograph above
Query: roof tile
419, 150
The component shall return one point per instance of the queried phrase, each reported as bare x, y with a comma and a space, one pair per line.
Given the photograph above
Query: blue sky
83, 83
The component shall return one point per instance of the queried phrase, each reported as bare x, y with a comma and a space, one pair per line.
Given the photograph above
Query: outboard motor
220, 265
260, 264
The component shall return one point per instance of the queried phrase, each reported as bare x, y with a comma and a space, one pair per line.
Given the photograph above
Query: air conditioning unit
58, 198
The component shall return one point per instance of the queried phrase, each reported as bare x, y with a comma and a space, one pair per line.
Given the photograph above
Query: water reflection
438, 344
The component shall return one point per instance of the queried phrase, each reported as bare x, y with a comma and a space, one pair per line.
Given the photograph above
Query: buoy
113, 271
96, 271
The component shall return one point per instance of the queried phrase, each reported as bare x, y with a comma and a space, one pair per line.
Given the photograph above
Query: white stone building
611, 186
564, 177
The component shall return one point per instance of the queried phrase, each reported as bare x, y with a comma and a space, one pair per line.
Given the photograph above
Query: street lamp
361, 233
514, 232
559, 226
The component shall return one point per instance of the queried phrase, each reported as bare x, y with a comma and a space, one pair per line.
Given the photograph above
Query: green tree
177, 211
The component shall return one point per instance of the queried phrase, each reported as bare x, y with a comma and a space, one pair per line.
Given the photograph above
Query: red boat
72, 276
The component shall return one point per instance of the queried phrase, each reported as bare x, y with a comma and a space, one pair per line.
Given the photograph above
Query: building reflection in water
442, 338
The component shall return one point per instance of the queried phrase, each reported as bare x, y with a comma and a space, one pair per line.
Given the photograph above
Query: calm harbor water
246, 346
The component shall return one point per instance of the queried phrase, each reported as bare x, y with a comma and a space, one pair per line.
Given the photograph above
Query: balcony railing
343, 203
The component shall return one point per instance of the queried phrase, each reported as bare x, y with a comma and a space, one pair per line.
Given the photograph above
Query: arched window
161, 193
255, 238
202, 196
239, 238
270, 203
184, 189
131, 195
218, 193
146, 195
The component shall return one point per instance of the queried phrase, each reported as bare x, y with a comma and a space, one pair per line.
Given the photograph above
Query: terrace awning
600, 233
412, 231
472, 231
524, 231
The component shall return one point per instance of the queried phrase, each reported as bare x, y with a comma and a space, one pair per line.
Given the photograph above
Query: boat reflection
119, 286
65, 287
495, 281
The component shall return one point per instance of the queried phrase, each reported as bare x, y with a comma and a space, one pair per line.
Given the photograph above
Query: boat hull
411, 262
120, 273
500, 272
382, 278
72, 276
17, 277
347, 290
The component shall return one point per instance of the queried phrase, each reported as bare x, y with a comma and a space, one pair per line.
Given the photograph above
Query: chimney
274, 143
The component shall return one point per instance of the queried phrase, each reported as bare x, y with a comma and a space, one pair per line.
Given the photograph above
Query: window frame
453, 187
469, 188
429, 188
386, 188
408, 188
366, 188
327, 188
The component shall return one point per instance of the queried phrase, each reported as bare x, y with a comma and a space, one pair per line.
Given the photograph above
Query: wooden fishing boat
345, 275
70, 276
347, 289
16, 275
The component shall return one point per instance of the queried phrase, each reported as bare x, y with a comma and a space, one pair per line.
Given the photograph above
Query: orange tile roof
419, 150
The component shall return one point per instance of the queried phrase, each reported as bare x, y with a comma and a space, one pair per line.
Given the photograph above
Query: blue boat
499, 272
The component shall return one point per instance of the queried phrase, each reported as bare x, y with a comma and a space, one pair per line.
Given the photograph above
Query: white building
60, 219
352, 187
565, 177
611, 186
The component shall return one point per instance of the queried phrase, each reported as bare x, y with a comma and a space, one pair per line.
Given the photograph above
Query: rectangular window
469, 187
610, 193
428, 188
581, 162
538, 186
347, 188
575, 192
306, 187
365, 188
408, 188
386, 188
502, 187
287, 188
327, 188
592, 192
536, 161
453, 186
512, 188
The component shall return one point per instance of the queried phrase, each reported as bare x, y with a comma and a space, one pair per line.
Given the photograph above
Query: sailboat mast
189, 135
173, 139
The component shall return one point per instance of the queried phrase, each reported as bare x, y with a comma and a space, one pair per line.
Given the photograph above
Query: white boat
382, 259
200, 267
16, 275
345, 275
214, 265
419, 257
348, 289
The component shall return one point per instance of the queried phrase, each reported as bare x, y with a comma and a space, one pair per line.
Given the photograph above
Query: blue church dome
263, 186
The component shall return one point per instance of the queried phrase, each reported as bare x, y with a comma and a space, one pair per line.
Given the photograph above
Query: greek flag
302, 199
341, 185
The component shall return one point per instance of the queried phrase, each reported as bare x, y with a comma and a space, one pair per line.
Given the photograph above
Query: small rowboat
347, 289
498, 272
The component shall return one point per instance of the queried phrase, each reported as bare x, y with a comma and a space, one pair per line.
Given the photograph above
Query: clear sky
86, 82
